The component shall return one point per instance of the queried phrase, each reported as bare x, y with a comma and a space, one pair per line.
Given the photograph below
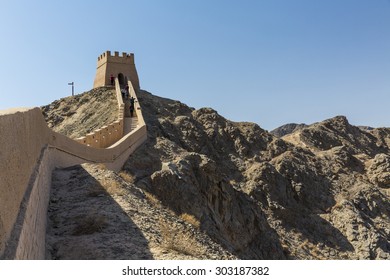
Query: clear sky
266, 61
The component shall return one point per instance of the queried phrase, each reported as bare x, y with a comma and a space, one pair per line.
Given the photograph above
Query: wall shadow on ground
85, 222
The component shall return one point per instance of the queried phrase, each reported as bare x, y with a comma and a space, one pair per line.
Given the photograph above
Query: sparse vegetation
89, 224
310, 249
179, 240
126, 176
152, 199
75, 116
191, 219
112, 186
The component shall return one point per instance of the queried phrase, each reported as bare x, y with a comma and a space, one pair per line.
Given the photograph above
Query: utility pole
72, 84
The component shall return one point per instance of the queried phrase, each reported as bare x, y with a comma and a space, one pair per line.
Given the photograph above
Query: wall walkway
31, 151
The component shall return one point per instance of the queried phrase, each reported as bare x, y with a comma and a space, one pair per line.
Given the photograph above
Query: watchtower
118, 66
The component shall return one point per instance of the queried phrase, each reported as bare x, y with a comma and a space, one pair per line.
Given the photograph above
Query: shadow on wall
2, 233
85, 222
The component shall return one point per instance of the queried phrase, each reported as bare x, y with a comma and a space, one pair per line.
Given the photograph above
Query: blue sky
266, 61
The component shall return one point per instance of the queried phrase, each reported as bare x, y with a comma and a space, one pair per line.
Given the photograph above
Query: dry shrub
311, 249
126, 177
152, 199
179, 239
191, 219
112, 186
156, 202
317, 254
89, 224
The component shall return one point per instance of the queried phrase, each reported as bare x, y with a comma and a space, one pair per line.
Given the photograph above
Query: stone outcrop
287, 129
379, 170
195, 156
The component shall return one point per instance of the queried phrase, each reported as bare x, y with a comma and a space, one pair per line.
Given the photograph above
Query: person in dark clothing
112, 79
124, 94
131, 110
132, 101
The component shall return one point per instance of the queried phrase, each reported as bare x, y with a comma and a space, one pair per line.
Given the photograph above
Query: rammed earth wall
30, 151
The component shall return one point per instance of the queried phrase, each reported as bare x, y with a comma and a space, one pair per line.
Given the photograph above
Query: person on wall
112, 79
132, 101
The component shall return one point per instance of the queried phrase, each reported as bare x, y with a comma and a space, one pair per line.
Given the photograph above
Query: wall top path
13, 111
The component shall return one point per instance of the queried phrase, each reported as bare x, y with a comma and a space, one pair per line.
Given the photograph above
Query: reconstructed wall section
22, 139
30, 153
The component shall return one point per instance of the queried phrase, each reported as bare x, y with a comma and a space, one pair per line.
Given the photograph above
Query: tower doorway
121, 79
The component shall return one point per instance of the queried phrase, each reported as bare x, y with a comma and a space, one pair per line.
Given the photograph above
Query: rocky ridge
287, 129
318, 192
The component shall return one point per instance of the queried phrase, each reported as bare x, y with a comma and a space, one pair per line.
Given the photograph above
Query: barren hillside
78, 115
287, 129
206, 187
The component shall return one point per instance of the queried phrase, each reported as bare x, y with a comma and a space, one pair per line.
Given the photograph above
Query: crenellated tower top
120, 66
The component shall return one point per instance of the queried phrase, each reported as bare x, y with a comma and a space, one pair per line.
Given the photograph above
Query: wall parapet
32, 152
107, 55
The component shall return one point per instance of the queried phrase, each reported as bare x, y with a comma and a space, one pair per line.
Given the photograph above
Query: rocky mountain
204, 187
287, 129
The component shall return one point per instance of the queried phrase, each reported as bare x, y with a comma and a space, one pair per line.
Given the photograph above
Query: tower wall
116, 64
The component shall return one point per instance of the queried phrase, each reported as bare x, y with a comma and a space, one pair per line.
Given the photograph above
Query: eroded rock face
287, 129
246, 185
194, 185
338, 132
379, 170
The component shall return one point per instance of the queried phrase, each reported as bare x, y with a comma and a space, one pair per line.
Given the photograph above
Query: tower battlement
121, 66
124, 57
